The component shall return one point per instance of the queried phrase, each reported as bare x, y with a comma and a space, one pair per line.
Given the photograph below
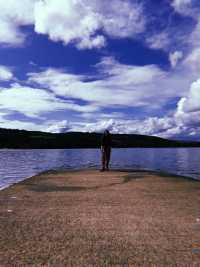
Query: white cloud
28, 101
79, 21
184, 121
87, 24
194, 37
42, 125
116, 86
121, 18
180, 3
84, 22
119, 85
21, 125
7, 123
159, 40
14, 14
128, 74
150, 126
101, 116
182, 6
58, 127
193, 59
175, 57
168, 33
5, 73
166, 127
33, 102
101, 125
187, 115
191, 103
97, 42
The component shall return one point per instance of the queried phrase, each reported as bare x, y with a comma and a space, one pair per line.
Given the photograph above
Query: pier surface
89, 218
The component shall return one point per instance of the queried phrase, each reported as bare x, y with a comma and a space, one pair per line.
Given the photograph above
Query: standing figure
106, 144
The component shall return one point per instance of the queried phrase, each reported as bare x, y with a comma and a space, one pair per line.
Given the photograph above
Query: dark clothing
106, 144
106, 141
106, 151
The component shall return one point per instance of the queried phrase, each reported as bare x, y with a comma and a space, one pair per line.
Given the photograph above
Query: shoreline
72, 148
90, 218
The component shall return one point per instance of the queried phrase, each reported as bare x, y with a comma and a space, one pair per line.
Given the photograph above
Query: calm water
16, 165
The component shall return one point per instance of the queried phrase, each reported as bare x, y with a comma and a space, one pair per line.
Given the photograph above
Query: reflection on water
15, 165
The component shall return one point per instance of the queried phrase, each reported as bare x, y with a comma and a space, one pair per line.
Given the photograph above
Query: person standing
106, 144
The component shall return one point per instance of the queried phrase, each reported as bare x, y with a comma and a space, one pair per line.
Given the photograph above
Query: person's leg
103, 159
108, 151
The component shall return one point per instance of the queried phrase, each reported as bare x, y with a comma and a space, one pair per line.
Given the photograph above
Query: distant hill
32, 139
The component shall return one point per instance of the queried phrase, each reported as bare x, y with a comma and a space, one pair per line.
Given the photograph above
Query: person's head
106, 133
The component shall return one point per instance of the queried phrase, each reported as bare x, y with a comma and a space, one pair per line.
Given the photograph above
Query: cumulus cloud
79, 21
183, 122
190, 103
187, 115
175, 57
166, 127
85, 23
58, 127
5, 73
13, 15
150, 126
67, 21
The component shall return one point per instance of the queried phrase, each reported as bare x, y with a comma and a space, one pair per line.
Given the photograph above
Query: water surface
16, 165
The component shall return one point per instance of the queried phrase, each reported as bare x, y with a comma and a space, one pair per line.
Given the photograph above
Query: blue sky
88, 65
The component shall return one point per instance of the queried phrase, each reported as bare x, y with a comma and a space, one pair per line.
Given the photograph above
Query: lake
16, 165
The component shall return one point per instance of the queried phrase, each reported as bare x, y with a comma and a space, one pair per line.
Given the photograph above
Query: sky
128, 66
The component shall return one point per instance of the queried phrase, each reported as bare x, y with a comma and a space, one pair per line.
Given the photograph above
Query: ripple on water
16, 165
